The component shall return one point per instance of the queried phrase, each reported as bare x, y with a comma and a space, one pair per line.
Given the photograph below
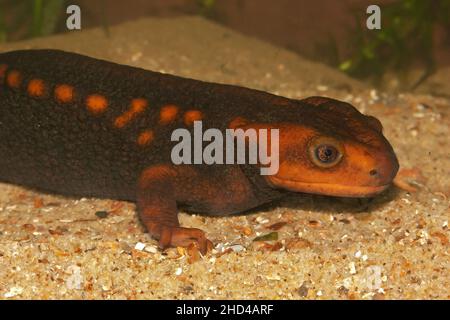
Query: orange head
328, 147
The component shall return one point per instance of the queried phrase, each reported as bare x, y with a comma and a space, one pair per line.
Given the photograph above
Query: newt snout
385, 170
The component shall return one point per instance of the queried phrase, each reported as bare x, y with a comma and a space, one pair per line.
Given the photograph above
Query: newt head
333, 149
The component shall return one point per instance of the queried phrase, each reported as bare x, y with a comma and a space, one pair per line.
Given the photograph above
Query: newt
79, 126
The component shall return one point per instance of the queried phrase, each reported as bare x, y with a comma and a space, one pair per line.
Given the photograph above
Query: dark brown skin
75, 125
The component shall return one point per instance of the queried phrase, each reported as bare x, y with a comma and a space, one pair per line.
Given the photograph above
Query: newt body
75, 125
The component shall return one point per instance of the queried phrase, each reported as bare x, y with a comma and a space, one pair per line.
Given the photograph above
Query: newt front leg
214, 190
157, 207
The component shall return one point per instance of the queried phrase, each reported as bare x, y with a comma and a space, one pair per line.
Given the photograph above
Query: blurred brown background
323, 30
303, 26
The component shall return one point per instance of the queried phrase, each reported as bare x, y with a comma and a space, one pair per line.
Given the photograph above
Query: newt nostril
373, 172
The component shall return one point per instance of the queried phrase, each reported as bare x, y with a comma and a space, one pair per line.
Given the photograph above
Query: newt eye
325, 152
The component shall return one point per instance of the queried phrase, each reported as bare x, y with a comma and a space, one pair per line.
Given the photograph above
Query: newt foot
183, 237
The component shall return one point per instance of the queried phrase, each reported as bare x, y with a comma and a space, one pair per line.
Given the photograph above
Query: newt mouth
328, 189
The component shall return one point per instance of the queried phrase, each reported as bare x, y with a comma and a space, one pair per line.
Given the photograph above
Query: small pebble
237, 248
101, 214
304, 289
151, 249
262, 220
14, 291
139, 246
352, 267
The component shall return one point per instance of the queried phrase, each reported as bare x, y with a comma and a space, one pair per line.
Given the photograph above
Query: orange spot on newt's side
64, 93
145, 137
96, 103
36, 88
137, 106
191, 116
13, 79
3, 68
121, 121
168, 114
